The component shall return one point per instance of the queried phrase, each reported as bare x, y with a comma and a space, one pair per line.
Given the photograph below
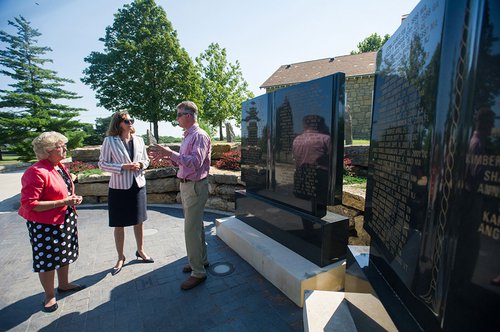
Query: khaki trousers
194, 196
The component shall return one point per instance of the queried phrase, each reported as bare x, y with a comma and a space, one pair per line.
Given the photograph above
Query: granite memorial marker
291, 156
433, 191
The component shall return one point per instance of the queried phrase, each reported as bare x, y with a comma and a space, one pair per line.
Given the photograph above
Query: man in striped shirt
193, 160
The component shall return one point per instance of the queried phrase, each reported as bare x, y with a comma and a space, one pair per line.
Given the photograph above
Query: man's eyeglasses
128, 121
182, 113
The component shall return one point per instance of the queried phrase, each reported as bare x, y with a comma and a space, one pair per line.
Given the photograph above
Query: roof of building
351, 65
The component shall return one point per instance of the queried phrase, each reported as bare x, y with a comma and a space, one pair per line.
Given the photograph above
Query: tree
372, 43
223, 87
29, 109
143, 68
96, 135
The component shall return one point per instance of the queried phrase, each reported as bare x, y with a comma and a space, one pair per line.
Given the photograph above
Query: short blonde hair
46, 142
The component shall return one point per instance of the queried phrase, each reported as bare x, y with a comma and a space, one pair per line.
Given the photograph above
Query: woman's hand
73, 200
131, 166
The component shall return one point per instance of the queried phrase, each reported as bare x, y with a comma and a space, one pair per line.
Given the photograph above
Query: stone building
360, 75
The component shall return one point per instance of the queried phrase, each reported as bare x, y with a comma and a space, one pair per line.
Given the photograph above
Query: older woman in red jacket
47, 203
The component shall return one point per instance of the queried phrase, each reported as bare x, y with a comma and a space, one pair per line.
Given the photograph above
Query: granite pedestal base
285, 269
321, 240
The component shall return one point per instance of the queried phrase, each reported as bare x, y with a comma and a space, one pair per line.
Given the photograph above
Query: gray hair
46, 142
190, 107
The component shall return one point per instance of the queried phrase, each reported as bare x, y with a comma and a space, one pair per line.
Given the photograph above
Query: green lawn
9, 159
360, 142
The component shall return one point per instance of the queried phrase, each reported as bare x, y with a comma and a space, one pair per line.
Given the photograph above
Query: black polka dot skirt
54, 246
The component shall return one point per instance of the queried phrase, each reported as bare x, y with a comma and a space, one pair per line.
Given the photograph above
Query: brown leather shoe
192, 282
187, 268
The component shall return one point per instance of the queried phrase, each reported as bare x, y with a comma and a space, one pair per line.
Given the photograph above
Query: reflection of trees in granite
252, 120
446, 225
387, 67
475, 226
284, 132
423, 78
413, 81
253, 166
436, 250
488, 86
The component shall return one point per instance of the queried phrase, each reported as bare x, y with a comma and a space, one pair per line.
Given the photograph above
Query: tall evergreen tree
29, 108
223, 87
143, 69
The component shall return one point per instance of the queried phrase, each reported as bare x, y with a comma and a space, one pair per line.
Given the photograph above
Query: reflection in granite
292, 164
292, 144
433, 192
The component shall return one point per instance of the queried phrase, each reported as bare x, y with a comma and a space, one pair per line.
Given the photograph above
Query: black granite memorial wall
292, 144
433, 191
291, 161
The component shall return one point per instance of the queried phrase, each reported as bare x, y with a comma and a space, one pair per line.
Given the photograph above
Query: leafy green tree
223, 87
29, 108
143, 69
372, 43
96, 134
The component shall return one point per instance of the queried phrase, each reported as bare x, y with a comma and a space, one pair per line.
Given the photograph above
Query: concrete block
285, 269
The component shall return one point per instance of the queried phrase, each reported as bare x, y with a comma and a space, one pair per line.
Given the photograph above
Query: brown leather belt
187, 180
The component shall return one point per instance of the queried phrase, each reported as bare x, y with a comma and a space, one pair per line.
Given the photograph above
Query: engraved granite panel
432, 200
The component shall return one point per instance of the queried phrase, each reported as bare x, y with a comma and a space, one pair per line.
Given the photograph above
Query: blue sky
261, 35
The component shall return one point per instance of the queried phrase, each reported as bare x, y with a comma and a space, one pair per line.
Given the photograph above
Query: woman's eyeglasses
128, 121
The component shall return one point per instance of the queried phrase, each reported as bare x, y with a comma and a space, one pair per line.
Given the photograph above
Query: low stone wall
353, 206
358, 154
90, 153
162, 187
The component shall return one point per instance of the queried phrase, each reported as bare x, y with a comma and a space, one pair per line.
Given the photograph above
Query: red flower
230, 161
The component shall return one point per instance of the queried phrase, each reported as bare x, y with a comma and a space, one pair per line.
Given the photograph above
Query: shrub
230, 161
352, 174
76, 167
162, 163
348, 167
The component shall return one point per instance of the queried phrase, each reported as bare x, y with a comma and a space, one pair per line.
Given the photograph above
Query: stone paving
142, 297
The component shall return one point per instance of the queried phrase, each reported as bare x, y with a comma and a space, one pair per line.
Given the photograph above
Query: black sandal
74, 289
52, 308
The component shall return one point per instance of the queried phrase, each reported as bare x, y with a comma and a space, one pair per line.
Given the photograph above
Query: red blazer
42, 182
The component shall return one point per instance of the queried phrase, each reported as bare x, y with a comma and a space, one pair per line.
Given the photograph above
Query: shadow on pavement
10, 204
18, 312
142, 297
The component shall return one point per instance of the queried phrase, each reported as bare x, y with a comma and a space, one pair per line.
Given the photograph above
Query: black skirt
127, 207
